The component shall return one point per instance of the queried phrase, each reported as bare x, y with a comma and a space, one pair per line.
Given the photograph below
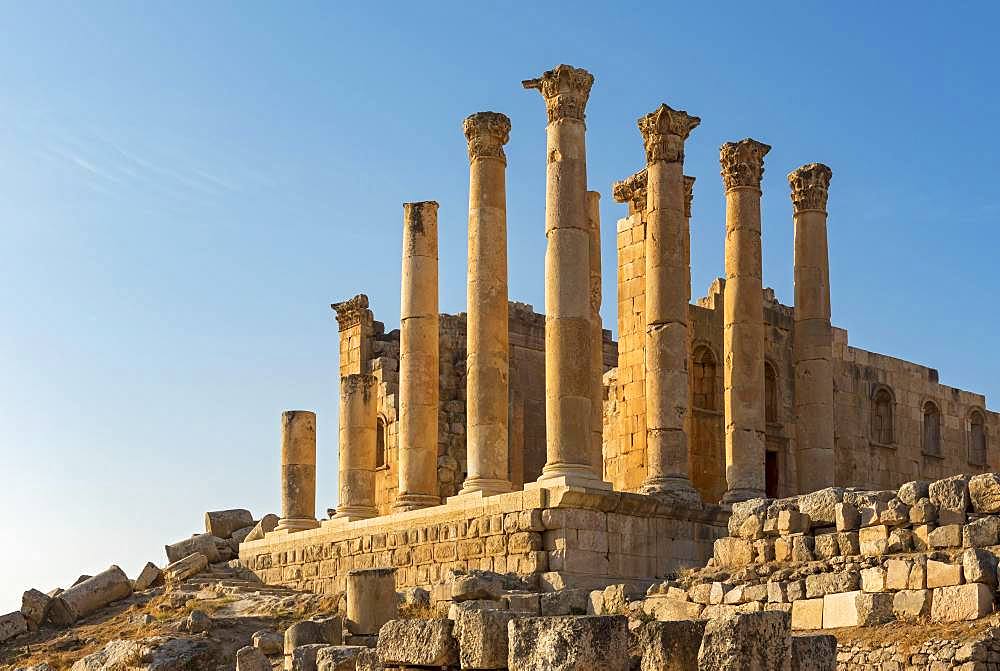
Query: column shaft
358, 446
418, 359
743, 337
298, 471
487, 345
597, 336
813, 336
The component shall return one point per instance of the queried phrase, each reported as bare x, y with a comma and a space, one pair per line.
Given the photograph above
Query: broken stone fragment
417, 643
35, 607
482, 638
222, 523
303, 658
911, 492
267, 524
984, 493
251, 659
981, 533
203, 543
568, 643
90, 595
911, 604
821, 506
979, 566
951, 496
160, 653
12, 624
669, 646
477, 585
371, 600
748, 641
268, 642
961, 602
816, 652
339, 657
150, 576
182, 569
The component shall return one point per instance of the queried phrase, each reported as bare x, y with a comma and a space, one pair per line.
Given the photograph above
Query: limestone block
669, 646
90, 595
874, 540
910, 604
807, 614
826, 546
911, 492
267, 524
873, 579
792, 522
777, 591
814, 653
456, 609
871, 512
847, 517
268, 642
668, 609
203, 543
896, 514
222, 523
184, 568
755, 592
850, 546
940, 574
961, 602
150, 576
979, 566
368, 661
821, 506
981, 533
918, 574
747, 641
300, 634
250, 658
482, 638
900, 541
338, 657
874, 608
841, 610
371, 600
782, 549
922, 536
820, 584
303, 657
417, 643
733, 552
414, 597
923, 512
743, 510
331, 629
197, 622
477, 585
752, 527
802, 548
568, 643
951, 495
11, 625
984, 493
796, 590
35, 607
522, 604
897, 574
948, 536
571, 601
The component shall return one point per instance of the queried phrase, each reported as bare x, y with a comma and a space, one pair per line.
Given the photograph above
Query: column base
406, 502
293, 524
737, 495
677, 489
488, 486
568, 475
352, 513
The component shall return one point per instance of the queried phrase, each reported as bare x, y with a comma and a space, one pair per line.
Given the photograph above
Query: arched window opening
380, 444
703, 379
932, 430
770, 393
977, 439
882, 431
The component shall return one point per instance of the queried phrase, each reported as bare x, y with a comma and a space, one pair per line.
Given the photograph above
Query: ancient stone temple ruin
511, 441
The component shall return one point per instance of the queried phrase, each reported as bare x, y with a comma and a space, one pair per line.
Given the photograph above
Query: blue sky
186, 187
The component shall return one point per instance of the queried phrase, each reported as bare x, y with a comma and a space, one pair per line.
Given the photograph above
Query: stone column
668, 294
567, 280
487, 345
371, 600
813, 336
298, 471
688, 198
597, 337
358, 431
418, 359
743, 336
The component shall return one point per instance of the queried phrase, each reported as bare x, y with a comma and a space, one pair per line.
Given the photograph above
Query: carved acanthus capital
352, 312
664, 131
810, 187
487, 133
743, 163
566, 90
631, 190
688, 195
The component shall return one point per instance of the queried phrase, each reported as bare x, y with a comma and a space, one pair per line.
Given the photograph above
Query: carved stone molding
664, 131
566, 90
688, 195
487, 133
743, 163
632, 190
363, 384
352, 312
810, 187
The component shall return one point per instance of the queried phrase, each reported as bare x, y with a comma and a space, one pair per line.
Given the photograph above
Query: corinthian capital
664, 131
631, 190
810, 186
352, 312
743, 163
566, 90
688, 195
487, 133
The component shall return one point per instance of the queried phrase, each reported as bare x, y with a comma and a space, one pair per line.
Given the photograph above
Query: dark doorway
771, 474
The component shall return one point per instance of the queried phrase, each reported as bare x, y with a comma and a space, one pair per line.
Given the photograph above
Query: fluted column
812, 342
743, 336
668, 287
358, 446
567, 280
298, 471
488, 362
597, 336
418, 359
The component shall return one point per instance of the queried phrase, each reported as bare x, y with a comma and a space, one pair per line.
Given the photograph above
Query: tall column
298, 471
743, 336
688, 198
597, 337
358, 436
567, 280
668, 294
418, 359
488, 347
812, 341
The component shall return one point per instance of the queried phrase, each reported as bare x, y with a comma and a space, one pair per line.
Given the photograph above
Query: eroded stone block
670, 646
751, 641
816, 652
568, 643
961, 602
417, 643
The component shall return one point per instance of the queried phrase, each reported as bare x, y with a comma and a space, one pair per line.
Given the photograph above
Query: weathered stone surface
268, 642
911, 492
841, 610
900, 541
820, 584
159, 654
11, 625
984, 493
568, 643
197, 622
250, 658
896, 514
667, 609
874, 540
897, 574
338, 658
303, 657
826, 546
873, 579
950, 494
183, 569
910, 604
417, 643
733, 552
669, 646
849, 543
89, 596
222, 523
948, 536
371, 600
753, 641
742, 510
923, 512
35, 607
299, 635
961, 602
981, 533
847, 517
821, 506
150, 576
267, 524
942, 574
874, 608
203, 543
477, 585
816, 652
792, 522
979, 566
368, 661
807, 614
802, 548
565, 602
482, 638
